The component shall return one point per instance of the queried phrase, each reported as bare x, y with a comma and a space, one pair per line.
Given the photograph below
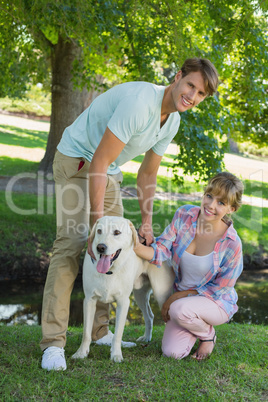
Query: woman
206, 255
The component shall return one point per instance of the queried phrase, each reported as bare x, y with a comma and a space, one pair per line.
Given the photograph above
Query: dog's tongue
103, 264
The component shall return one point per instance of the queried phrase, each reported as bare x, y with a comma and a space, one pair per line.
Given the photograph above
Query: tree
242, 36
236, 36
55, 31
139, 40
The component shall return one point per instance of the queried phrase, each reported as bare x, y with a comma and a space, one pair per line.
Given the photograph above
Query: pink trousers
190, 318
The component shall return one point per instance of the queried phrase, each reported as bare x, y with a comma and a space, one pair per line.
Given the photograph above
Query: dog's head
110, 237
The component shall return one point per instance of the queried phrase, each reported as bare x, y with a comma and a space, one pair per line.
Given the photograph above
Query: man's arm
108, 150
146, 185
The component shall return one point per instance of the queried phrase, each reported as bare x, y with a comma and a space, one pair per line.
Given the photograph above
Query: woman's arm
172, 298
146, 252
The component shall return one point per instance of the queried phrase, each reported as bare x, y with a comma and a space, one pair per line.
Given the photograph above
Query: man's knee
75, 230
69, 247
72, 236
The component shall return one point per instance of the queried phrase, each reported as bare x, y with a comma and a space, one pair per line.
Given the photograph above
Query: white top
193, 269
132, 111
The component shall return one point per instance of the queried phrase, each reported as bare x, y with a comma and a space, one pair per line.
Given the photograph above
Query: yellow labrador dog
117, 272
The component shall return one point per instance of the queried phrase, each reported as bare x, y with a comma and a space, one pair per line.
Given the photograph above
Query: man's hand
146, 234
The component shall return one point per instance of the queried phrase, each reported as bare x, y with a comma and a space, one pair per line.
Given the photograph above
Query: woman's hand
172, 298
164, 311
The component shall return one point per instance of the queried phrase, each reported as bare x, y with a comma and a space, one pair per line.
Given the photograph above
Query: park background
56, 57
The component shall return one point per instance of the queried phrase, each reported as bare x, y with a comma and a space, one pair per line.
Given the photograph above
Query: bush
252, 149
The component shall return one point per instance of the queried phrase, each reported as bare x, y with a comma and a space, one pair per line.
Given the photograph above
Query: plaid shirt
218, 283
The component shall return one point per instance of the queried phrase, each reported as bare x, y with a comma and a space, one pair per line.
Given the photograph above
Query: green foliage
199, 154
149, 40
13, 62
242, 36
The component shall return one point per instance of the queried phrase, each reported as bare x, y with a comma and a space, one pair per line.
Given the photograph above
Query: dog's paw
117, 358
80, 354
144, 339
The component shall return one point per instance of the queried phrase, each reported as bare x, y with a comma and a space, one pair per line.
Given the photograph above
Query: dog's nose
101, 248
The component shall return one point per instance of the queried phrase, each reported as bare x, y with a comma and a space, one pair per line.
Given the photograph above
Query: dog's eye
99, 231
117, 232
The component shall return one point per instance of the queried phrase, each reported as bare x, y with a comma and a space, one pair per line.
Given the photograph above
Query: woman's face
214, 208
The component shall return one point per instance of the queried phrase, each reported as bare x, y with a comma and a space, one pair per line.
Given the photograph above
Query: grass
14, 166
33, 234
236, 371
28, 233
15, 136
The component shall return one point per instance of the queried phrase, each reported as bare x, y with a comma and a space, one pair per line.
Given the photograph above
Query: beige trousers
72, 201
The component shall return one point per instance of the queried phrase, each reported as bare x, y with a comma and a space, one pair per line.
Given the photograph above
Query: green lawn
31, 234
34, 233
15, 136
21, 137
236, 371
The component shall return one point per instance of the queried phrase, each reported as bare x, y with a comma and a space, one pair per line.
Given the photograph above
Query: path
246, 168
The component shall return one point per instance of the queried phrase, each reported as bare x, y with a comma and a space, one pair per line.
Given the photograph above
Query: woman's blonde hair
228, 186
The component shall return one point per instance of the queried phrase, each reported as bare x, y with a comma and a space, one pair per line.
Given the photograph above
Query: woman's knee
178, 311
168, 351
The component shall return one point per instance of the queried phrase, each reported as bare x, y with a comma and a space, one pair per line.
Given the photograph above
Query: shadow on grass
10, 135
256, 188
14, 166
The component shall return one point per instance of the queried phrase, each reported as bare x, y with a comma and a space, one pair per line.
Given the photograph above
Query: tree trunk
67, 103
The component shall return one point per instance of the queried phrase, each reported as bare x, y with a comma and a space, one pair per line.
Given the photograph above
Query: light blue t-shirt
132, 112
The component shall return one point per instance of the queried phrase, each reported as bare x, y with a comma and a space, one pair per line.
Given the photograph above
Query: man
126, 121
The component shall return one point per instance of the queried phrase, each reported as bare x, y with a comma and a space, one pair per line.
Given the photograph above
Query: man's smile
185, 101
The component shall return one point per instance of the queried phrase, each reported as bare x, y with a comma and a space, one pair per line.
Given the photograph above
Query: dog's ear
134, 233
93, 230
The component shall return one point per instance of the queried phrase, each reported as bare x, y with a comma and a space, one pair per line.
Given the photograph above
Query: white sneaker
107, 340
53, 359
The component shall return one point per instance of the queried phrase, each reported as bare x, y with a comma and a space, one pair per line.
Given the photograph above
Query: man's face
188, 91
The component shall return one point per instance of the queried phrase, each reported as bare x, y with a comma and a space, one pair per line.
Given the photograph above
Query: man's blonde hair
228, 187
